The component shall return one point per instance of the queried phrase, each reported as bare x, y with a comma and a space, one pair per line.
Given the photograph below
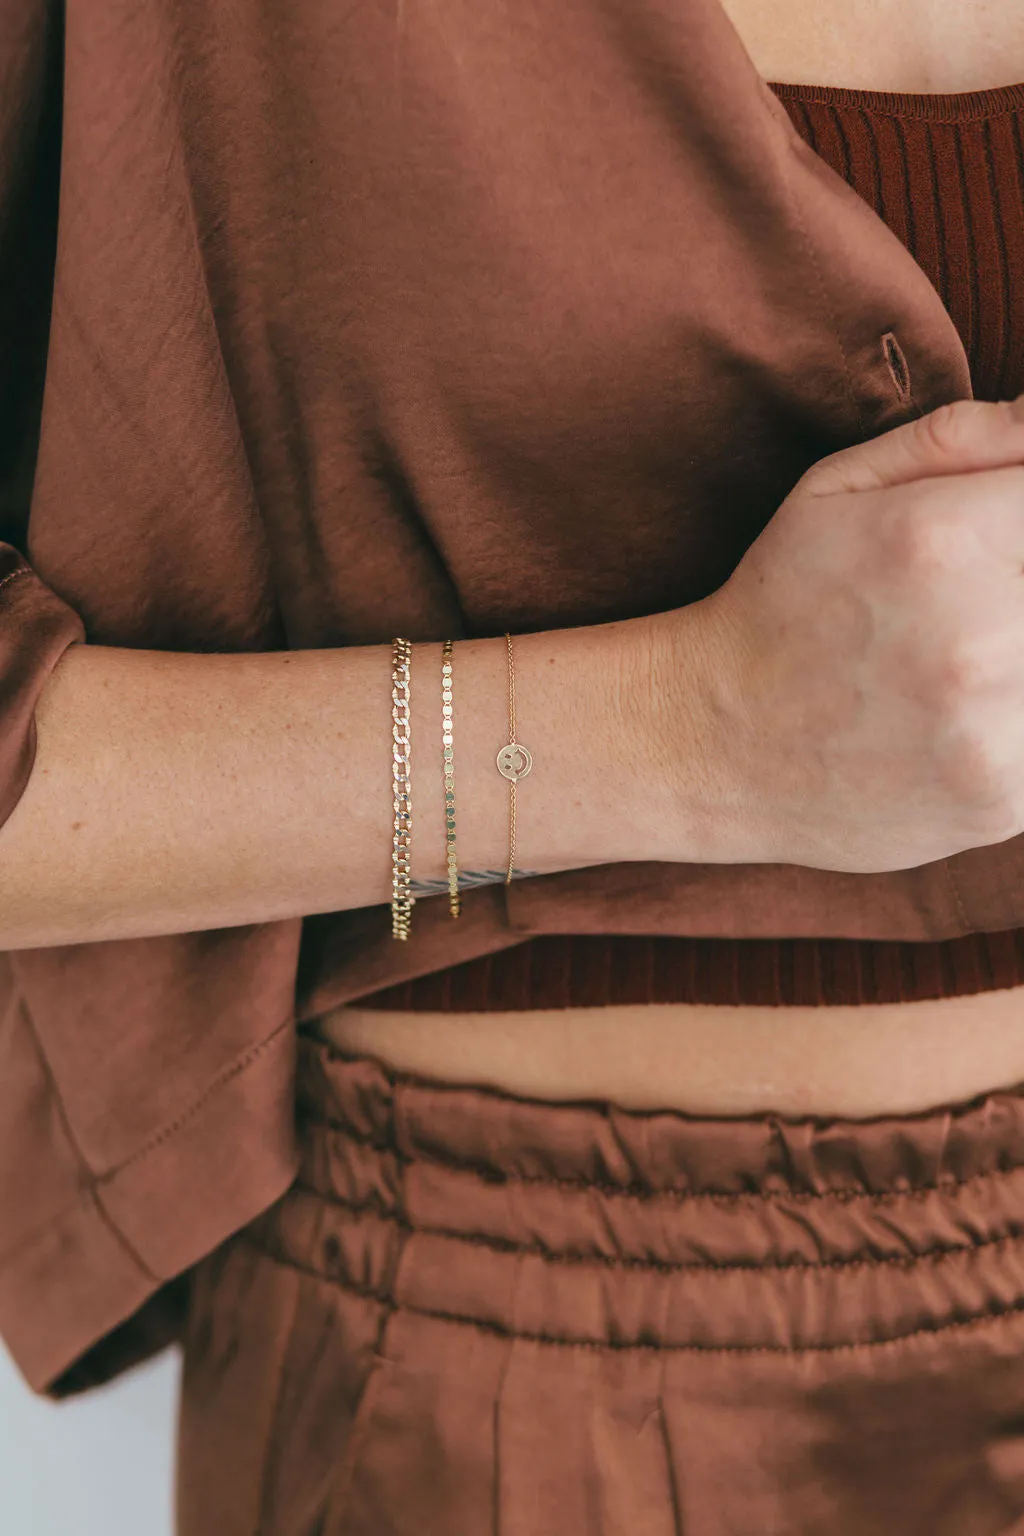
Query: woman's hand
864, 663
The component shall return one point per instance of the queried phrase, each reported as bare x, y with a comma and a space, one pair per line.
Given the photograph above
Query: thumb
952, 440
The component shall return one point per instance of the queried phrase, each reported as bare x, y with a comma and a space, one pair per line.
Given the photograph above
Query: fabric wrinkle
671, 1475
693, 1325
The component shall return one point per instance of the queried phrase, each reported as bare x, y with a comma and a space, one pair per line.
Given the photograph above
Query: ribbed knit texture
946, 173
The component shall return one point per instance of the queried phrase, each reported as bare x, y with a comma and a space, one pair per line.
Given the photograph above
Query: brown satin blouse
321, 326
946, 173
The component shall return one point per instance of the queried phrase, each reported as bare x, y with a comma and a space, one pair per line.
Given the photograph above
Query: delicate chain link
402, 899
512, 782
514, 762
454, 903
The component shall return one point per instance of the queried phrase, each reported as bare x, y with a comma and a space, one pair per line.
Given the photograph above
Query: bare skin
888, 45
859, 1061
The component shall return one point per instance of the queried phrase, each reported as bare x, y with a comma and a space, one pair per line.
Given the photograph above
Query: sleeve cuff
36, 628
107, 1259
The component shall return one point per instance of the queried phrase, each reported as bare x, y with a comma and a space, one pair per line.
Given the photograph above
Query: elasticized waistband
590, 1225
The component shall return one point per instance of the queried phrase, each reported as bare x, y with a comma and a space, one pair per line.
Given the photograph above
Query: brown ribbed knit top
946, 173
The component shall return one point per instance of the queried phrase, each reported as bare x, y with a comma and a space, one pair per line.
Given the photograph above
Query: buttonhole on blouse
897, 365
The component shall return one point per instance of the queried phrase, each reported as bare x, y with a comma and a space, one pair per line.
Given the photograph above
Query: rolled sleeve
93, 1265
36, 628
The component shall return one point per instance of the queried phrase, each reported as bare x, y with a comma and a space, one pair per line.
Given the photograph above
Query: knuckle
983, 783
950, 428
822, 476
922, 541
966, 668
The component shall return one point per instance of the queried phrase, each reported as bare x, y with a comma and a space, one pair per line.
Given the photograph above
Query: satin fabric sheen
476, 1315
946, 173
327, 324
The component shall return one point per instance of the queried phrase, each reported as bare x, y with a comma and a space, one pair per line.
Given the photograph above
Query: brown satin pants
477, 1315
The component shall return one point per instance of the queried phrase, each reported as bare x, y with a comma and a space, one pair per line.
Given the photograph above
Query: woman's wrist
623, 721
686, 691
574, 809
628, 724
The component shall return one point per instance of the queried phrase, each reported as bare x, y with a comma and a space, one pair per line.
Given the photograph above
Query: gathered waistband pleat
479, 1315
587, 1224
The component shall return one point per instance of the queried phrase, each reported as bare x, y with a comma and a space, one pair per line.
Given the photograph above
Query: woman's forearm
174, 793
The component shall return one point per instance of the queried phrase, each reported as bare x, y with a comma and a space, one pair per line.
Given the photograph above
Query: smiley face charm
514, 761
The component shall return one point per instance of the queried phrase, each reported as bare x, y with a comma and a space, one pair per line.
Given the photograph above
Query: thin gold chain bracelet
514, 762
402, 899
454, 902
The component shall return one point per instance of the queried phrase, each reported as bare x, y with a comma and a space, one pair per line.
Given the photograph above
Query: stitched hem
93, 1184
13, 576
571, 1258
215, 1168
848, 1194
219, 1083
935, 107
368, 1293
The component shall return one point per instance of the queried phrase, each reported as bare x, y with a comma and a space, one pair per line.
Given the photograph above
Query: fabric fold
36, 628
734, 1344
96, 1286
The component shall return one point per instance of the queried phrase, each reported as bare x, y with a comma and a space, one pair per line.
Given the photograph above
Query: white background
100, 1465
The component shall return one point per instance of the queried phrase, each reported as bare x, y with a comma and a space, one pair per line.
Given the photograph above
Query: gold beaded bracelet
402, 899
454, 903
514, 762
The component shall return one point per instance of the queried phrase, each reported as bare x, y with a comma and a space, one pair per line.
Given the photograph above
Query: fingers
964, 436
